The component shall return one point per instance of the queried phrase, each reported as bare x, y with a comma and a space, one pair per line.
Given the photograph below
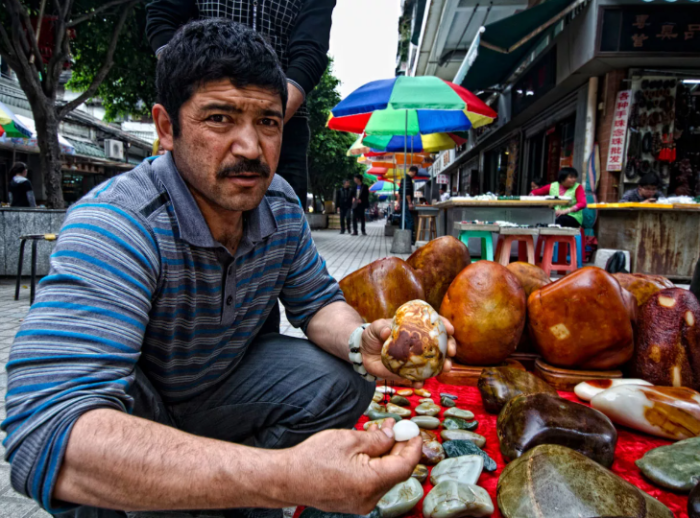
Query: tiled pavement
343, 254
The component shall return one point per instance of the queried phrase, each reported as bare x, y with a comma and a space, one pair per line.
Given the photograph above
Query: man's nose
247, 142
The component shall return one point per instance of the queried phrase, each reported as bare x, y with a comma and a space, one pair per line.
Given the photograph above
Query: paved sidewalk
343, 254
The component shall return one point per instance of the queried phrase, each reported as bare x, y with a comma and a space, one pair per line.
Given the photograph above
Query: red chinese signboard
616, 150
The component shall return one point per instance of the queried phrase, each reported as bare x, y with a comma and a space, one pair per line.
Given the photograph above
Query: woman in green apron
566, 186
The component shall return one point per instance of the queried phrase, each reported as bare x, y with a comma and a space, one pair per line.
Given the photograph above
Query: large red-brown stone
642, 286
583, 321
380, 288
530, 276
437, 264
667, 348
486, 304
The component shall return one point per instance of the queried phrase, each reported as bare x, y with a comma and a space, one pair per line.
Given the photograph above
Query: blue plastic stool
486, 242
579, 251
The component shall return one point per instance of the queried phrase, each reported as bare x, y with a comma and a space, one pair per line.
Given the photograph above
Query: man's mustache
245, 166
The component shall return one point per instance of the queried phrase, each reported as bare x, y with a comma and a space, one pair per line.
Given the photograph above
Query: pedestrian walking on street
360, 202
412, 172
343, 201
21, 190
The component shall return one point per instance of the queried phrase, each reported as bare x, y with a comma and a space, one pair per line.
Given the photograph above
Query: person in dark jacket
360, 202
343, 201
298, 30
21, 191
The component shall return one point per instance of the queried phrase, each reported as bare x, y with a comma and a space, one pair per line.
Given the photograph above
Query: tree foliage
130, 87
328, 163
39, 75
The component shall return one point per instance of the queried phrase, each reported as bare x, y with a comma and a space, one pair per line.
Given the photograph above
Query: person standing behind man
343, 201
21, 191
360, 202
299, 32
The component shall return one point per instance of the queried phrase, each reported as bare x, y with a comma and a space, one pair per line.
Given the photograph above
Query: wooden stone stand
468, 375
566, 379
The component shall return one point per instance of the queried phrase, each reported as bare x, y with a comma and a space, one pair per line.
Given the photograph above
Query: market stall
500, 440
521, 212
661, 239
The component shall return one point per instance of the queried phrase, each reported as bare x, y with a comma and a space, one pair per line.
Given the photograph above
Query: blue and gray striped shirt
136, 276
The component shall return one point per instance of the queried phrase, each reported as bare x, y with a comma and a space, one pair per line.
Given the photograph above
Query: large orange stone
583, 321
380, 288
486, 304
437, 264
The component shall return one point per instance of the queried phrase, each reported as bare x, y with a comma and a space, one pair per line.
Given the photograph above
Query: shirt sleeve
541, 191
164, 17
581, 202
308, 286
308, 44
79, 344
629, 195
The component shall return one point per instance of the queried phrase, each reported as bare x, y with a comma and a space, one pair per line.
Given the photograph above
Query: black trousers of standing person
567, 221
345, 216
358, 214
282, 392
294, 168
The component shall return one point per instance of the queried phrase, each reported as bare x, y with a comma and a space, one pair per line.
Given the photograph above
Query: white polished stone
587, 390
405, 430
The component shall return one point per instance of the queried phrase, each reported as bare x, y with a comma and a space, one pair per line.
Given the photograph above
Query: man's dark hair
210, 50
565, 172
358, 176
17, 168
413, 168
649, 180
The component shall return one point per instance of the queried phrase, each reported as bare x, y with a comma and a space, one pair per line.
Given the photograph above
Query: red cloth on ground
581, 202
630, 447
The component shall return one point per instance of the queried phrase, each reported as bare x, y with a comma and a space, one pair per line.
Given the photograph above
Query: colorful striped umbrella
11, 125
412, 106
418, 143
382, 186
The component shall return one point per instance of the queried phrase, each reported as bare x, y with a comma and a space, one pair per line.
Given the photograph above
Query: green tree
328, 163
130, 88
20, 21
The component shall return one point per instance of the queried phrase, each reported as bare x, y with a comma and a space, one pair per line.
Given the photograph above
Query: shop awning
504, 44
31, 142
87, 149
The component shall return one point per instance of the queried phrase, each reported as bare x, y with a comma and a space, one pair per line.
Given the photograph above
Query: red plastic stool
545, 249
526, 244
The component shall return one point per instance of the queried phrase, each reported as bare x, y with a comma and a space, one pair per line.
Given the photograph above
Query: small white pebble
405, 430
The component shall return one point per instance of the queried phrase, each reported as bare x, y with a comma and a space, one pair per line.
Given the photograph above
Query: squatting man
139, 381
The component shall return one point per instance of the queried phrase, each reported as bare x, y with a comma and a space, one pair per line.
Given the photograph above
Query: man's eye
268, 122
217, 118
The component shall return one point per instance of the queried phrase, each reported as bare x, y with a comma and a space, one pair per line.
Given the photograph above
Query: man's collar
259, 223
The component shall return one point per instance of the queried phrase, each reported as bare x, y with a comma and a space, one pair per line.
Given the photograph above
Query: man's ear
164, 127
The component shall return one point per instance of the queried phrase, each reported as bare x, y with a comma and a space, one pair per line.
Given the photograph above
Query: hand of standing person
351, 470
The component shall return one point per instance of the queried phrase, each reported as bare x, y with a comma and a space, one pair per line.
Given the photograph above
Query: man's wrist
355, 352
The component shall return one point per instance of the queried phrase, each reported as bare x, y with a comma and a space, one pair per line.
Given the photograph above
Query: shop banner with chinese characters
619, 131
442, 179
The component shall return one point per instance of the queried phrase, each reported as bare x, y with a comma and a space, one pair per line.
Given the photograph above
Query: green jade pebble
458, 412
374, 415
459, 448
673, 466
447, 402
425, 421
400, 401
401, 498
455, 423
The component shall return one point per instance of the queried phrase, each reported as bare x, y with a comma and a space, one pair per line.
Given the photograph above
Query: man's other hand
350, 471
373, 339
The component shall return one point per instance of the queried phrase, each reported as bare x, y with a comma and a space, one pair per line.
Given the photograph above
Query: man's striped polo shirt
136, 276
